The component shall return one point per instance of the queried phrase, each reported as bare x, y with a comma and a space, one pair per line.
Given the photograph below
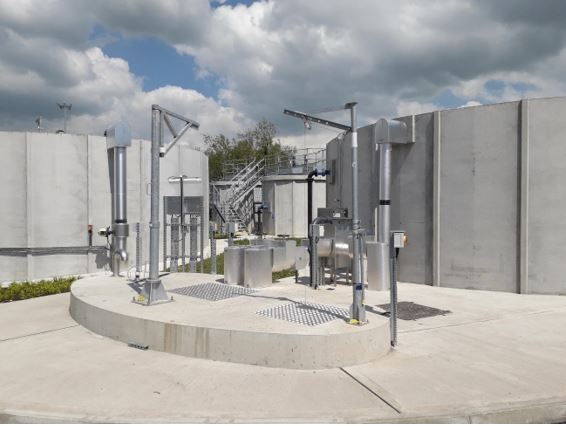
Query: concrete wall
287, 195
53, 186
480, 194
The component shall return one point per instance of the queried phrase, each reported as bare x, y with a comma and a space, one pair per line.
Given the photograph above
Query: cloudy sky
229, 64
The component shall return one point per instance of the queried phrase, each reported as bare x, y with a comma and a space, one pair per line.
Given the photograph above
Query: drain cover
305, 313
212, 291
413, 311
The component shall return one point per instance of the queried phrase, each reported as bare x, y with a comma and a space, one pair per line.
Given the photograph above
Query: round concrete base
285, 325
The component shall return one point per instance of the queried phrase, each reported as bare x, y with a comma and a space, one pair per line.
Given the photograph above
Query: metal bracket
166, 116
307, 118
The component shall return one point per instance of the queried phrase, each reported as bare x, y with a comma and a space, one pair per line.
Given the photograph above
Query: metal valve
105, 232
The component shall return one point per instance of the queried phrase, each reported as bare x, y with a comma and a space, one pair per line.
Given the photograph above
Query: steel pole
183, 233
154, 221
393, 293
153, 291
384, 192
358, 310
384, 213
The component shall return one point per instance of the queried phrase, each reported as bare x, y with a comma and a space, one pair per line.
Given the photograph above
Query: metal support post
212, 250
165, 226
201, 232
393, 295
314, 259
357, 310
175, 237
183, 228
193, 250
153, 291
138, 251
397, 240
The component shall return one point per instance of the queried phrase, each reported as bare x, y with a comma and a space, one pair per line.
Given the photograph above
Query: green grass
285, 273
243, 242
27, 290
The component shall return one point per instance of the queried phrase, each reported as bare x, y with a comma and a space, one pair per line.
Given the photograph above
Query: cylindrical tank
234, 264
283, 252
290, 249
258, 264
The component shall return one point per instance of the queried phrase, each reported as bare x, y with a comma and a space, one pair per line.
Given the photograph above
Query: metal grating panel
305, 313
413, 311
212, 291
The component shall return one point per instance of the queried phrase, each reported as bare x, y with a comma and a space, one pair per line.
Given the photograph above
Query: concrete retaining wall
287, 197
480, 194
52, 186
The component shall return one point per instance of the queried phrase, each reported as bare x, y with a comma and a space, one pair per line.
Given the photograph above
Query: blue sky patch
447, 99
156, 62
495, 87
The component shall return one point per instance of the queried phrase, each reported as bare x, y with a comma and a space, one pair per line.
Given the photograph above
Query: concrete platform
496, 357
236, 329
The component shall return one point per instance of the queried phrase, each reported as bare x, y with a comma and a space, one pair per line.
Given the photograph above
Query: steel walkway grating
305, 313
212, 291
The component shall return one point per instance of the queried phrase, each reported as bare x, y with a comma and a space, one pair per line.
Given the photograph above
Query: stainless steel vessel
234, 264
258, 265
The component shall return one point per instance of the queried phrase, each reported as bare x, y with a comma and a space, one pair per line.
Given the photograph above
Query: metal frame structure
182, 179
357, 310
153, 291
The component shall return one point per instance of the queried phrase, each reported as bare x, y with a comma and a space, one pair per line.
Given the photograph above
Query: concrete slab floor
497, 357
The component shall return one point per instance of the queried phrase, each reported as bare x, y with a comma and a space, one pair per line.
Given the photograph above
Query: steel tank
258, 263
234, 264
283, 252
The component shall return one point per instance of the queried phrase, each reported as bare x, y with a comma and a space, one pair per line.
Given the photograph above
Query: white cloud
393, 57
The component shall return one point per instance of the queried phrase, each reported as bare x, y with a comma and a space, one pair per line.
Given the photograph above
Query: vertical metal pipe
212, 250
202, 234
193, 244
310, 179
120, 229
154, 221
120, 185
384, 218
138, 251
165, 225
393, 293
315, 232
358, 310
384, 192
175, 237
183, 228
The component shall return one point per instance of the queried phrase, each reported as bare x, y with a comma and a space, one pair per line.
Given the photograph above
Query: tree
253, 144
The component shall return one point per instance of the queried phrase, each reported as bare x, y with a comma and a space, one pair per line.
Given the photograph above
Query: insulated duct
118, 138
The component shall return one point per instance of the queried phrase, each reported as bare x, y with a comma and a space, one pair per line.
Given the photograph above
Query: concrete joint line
370, 387
38, 333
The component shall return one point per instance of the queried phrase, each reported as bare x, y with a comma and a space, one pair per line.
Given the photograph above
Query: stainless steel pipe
118, 138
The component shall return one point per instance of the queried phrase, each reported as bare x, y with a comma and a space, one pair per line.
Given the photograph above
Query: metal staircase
232, 197
237, 205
